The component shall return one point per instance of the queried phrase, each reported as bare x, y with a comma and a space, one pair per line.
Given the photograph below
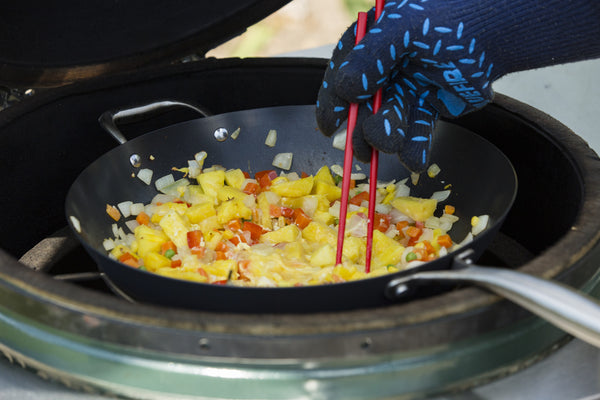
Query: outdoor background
299, 25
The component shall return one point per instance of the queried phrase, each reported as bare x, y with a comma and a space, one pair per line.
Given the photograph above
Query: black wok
481, 177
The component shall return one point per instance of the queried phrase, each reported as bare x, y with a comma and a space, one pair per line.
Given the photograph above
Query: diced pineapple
331, 192
227, 193
288, 233
294, 250
354, 249
416, 208
177, 273
386, 251
211, 182
232, 209
176, 228
345, 272
154, 261
212, 238
235, 178
323, 256
297, 188
324, 175
148, 239
324, 217
320, 233
164, 209
222, 268
194, 195
199, 212
265, 213
209, 224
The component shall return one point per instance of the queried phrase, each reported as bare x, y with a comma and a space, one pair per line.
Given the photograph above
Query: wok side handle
108, 120
566, 308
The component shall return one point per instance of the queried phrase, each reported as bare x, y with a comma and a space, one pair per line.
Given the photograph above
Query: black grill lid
57, 42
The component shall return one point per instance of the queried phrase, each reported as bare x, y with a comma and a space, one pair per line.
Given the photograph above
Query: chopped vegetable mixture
223, 226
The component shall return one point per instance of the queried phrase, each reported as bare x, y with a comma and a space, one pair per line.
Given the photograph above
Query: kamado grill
59, 319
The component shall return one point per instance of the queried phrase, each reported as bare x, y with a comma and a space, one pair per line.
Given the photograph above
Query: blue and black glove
437, 58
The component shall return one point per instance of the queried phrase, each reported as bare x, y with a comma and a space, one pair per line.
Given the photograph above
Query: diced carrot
448, 209
129, 259
221, 255
274, 211
255, 230
221, 246
175, 263
301, 219
246, 175
113, 212
352, 183
287, 212
142, 218
237, 239
202, 272
401, 225
303, 175
168, 245
194, 238
414, 231
251, 188
444, 240
429, 247
234, 225
381, 222
359, 198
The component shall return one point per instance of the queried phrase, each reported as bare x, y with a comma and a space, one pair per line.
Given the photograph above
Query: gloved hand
435, 58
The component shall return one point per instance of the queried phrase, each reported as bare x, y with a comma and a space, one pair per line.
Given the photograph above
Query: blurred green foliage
354, 6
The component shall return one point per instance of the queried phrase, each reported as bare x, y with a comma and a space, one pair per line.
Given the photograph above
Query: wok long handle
566, 308
108, 120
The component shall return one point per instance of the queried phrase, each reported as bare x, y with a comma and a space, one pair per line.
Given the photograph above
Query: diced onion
337, 169
339, 140
200, 157
433, 170
136, 208
481, 224
283, 160
271, 138
145, 175
441, 195
162, 198
234, 135
164, 181
108, 244
194, 168
414, 178
175, 188
358, 176
125, 208
132, 224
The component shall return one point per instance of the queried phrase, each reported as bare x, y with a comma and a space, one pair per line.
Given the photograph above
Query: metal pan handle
108, 120
566, 308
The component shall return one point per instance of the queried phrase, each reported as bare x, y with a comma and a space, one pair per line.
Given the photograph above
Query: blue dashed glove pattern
431, 58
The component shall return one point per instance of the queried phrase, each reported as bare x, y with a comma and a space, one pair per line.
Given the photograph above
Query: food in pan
276, 230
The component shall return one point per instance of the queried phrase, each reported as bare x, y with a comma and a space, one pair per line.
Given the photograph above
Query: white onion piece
402, 190
194, 168
136, 208
481, 225
234, 135
309, 205
337, 169
358, 176
108, 244
272, 197
145, 175
292, 176
357, 226
200, 157
414, 178
433, 170
283, 160
76, 223
339, 140
173, 188
383, 208
163, 198
125, 208
397, 216
441, 195
132, 224
164, 181
271, 138
115, 230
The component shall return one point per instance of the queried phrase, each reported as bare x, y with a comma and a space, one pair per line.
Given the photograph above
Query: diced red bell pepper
359, 198
255, 230
129, 259
194, 238
381, 222
251, 188
301, 218
234, 225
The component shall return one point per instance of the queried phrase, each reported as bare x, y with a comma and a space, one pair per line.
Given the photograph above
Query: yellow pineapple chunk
297, 188
148, 239
227, 193
176, 228
324, 175
199, 212
354, 249
288, 233
323, 256
386, 251
331, 192
416, 208
235, 178
232, 209
320, 233
154, 261
211, 182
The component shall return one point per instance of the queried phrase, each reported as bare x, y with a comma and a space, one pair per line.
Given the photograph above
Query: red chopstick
361, 26
374, 167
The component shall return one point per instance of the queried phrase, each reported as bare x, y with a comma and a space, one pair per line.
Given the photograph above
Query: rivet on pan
221, 134
135, 160
204, 344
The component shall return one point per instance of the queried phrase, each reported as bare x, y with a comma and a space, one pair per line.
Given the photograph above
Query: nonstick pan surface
481, 178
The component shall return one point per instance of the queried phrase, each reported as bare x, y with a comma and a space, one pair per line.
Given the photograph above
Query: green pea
169, 253
411, 256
